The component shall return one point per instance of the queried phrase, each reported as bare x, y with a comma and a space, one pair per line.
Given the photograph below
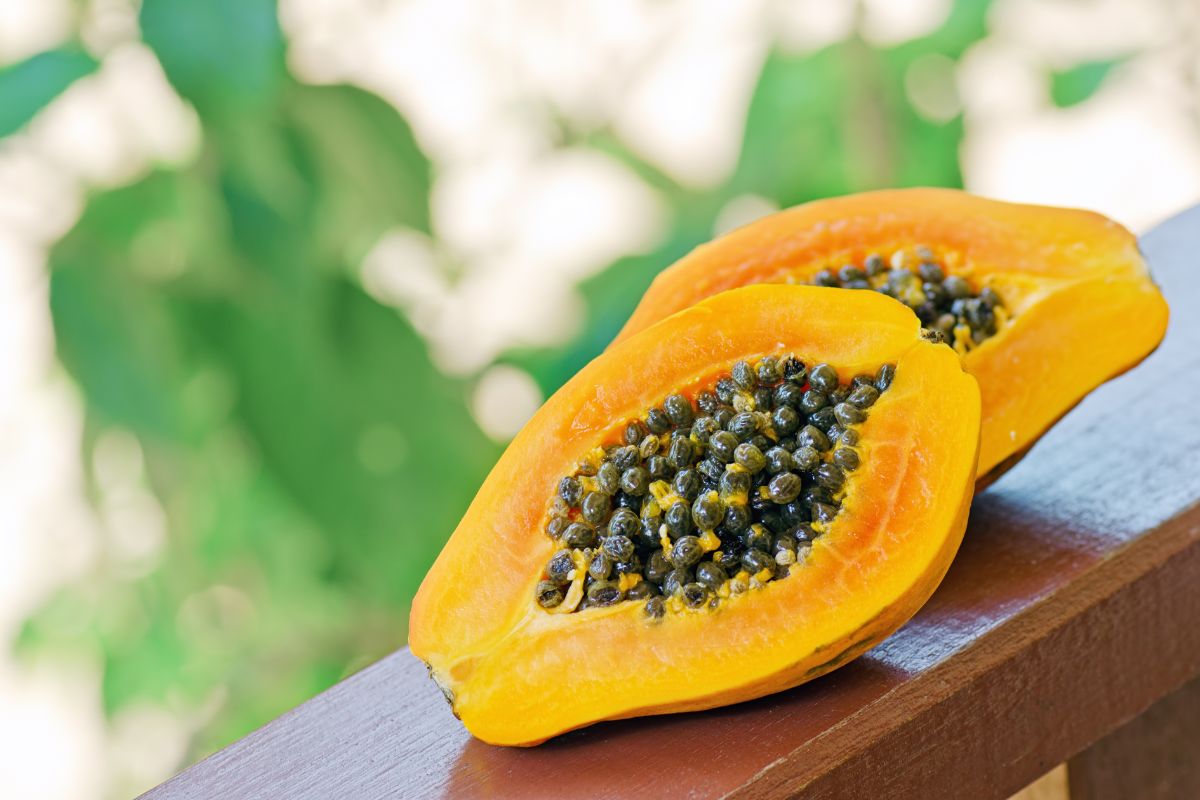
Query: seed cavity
951, 310
707, 497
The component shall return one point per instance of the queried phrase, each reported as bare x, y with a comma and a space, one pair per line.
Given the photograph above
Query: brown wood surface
1155, 756
1069, 611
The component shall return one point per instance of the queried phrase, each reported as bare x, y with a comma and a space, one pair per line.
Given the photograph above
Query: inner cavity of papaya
706, 497
947, 304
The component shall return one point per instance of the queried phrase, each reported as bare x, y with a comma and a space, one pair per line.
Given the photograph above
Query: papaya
1043, 304
737, 499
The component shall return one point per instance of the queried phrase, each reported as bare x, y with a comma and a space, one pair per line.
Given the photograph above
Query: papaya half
734, 500
1043, 304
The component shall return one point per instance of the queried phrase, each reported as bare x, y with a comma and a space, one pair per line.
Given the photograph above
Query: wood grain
1154, 757
1069, 611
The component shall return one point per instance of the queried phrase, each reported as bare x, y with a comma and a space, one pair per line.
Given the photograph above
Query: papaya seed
694, 594
947, 304
549, 594
703, 499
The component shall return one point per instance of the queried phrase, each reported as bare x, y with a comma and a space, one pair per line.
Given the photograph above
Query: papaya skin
517, 675
1083, 306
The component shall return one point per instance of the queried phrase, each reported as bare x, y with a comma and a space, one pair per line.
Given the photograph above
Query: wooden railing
1068, 629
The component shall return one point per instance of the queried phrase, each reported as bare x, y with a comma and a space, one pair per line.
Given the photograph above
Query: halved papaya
1051, 302
737, 499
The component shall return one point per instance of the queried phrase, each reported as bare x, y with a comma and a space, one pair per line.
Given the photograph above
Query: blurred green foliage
29, 85
308, 454
310, 459
1072, 86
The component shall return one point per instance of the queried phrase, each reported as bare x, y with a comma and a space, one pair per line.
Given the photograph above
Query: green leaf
1073, 86
310, 458
352, 419
115, 335
26, 87
371, 174
797, 144
225, 56
839, 120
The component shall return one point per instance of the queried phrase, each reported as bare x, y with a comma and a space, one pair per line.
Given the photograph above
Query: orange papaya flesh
1075, 304
517, 672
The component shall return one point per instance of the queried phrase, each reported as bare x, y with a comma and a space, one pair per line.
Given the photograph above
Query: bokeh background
278, 282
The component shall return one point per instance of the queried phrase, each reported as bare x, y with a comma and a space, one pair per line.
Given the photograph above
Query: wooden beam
1069, 611
1156, 756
